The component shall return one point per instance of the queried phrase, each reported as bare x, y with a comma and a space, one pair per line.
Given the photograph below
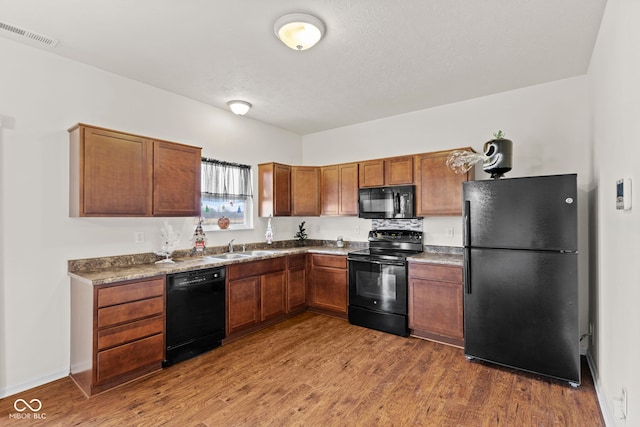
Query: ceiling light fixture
299, 31
239, 107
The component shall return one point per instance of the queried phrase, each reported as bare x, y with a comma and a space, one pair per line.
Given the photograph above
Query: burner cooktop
391, 244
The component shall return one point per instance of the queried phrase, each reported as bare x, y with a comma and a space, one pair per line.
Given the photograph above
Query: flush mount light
299, 31
239, 107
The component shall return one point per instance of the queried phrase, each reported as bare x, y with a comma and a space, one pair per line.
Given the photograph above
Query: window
226, 192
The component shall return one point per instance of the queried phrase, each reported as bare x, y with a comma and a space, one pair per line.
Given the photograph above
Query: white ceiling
379, 57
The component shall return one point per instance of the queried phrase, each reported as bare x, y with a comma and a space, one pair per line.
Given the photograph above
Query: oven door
379, 285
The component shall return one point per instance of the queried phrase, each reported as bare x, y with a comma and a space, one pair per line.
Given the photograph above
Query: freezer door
522, 213
521, 310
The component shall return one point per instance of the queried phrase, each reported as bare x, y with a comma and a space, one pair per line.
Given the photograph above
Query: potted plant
301, 235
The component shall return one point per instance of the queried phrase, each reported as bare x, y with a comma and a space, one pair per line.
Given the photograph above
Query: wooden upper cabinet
438, 188
176, 179
339, 189
274, 186
305, 191
119, 174
398, 170
111, 173
371, 173
389, 171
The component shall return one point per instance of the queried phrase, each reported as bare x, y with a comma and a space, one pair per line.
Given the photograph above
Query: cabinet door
328, 288
176, 179
436, 307
436, 302
398, 170
330, 190
296, 282
438, 188
348, 190
305, 191
115, 173
371, 173
273, 292
274, 190
243, 304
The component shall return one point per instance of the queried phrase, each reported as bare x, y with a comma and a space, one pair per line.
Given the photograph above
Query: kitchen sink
258, 253
229, 255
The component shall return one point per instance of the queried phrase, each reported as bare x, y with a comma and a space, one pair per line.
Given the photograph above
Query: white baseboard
9, 391
604, 408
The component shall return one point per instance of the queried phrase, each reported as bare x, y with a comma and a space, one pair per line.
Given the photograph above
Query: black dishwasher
195, 321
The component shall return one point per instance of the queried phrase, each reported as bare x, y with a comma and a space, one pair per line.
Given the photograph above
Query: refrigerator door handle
467, 223
467, 270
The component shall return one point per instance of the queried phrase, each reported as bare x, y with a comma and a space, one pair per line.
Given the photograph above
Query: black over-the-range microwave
387, 202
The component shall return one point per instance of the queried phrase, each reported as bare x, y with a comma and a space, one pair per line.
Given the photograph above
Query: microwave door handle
396, 203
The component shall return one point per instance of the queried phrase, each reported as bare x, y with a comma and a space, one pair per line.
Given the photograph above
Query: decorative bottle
269, 234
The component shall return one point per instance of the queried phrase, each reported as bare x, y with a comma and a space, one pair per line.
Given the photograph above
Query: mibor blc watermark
27, 410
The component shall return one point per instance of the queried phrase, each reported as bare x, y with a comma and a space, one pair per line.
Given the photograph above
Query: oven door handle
370, 261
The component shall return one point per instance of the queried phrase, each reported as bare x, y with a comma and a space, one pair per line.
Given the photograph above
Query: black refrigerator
521, 274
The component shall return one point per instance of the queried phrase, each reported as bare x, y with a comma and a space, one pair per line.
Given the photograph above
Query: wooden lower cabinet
117, 332
296, 283
328, 289
243, 304
273, 295
257, 294
436, 302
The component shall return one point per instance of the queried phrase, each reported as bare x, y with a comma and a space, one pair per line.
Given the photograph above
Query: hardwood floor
314, 370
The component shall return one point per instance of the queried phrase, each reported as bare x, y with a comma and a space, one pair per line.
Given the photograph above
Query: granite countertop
100, 271
453, 259
105, 270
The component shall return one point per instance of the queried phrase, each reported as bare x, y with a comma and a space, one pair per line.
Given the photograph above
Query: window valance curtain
223, 179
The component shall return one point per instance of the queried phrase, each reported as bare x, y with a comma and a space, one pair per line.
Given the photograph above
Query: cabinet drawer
297, 261
256, 268
131, 311
442, 273
334, 261
111, 337
129, 357
132, 292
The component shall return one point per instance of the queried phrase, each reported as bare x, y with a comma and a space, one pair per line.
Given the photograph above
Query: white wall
549, 127
547, 123
615, 86
42, 96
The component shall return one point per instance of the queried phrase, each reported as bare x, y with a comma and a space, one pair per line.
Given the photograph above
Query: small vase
223, 223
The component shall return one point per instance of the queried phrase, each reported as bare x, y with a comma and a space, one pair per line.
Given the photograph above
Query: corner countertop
102, 271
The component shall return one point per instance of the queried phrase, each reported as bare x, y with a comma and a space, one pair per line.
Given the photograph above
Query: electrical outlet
138, 237
450, 232
356, 228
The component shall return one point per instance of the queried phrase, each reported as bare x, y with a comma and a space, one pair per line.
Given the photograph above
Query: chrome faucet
231, 245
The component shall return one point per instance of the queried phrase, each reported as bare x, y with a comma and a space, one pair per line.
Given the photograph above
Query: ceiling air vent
48, 41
